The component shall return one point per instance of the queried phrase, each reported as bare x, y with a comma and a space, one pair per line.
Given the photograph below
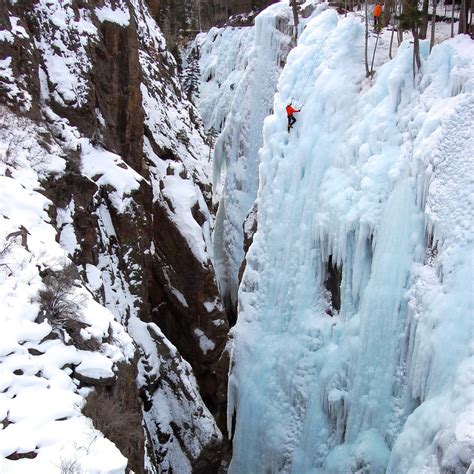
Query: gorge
187, 286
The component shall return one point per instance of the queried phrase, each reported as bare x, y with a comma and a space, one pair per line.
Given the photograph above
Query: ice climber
377, 14
289, 112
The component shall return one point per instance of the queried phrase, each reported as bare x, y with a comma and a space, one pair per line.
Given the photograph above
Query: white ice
240, 69
376, 176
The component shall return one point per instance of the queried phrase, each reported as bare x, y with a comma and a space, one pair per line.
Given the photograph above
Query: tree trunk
433, 24
367, 72
471, 31
452, 19
295, 19
424, 19
197, 6
399, 30
410, 11
372, 72
463, 15
387, 12
391, 42
416, 48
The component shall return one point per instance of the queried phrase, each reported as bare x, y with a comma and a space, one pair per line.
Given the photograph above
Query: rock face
191, 441
132, 206
125, 430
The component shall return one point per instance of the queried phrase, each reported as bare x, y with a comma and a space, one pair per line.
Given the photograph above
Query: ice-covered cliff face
353, 346
105, 192
240, 69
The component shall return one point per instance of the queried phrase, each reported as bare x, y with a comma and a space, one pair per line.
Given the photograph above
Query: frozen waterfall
373, 188
240, 69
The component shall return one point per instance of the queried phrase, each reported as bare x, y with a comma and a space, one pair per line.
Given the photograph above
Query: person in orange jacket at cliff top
289, 112
377, 14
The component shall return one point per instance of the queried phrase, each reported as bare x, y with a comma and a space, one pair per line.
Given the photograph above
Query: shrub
69, 466
58, 300
61, 304
116, 412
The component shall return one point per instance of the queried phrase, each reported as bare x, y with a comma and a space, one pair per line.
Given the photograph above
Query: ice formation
373, 188
240, 69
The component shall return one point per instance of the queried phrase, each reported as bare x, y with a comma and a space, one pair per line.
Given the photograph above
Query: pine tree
191, 75
410, 19
211, 137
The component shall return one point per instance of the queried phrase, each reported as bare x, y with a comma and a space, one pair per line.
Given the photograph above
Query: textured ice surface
376, 177
240, 69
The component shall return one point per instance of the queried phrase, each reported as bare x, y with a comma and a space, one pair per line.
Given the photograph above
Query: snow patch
117, 15
40, 403
107, 168
205, 343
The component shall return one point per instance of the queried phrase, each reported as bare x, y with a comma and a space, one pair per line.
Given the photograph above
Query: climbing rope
316, 56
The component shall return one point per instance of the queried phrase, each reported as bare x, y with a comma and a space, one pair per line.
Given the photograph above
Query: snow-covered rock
49, 323
116, 180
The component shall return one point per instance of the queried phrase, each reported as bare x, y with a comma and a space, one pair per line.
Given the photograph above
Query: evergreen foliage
211, 136
410, 18
191, 75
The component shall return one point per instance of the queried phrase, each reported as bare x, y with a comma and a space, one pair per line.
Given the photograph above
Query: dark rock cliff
99, 77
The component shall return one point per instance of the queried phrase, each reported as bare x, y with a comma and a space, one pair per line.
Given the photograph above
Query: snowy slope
41, 363
375, 183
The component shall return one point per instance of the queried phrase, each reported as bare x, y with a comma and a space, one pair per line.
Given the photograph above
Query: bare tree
5, 249
294, 7
14, 131
399, 28
452, 18
10, 242
387, 12
463, 17
433, 25
372, 72
59, 299
69, 466
366, 59
424, 19
391, 18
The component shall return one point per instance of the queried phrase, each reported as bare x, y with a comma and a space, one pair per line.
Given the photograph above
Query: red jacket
290, 110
